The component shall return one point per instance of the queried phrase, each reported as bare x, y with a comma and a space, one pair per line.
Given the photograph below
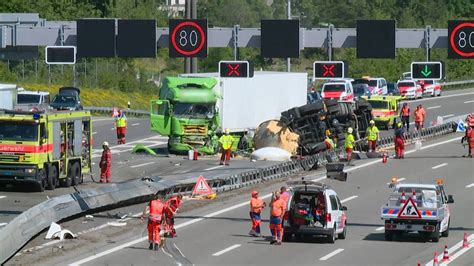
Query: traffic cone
413, 197
419, 263
465, 243
403, 199
384, 157
446, 253
195, 154
435, 259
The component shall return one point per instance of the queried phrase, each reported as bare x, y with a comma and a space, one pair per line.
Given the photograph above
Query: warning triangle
202, 187
409, 210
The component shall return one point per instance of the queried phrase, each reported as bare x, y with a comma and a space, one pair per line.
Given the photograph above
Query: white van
339, 89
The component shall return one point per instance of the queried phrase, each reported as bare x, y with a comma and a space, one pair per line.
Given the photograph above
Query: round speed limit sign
188, 38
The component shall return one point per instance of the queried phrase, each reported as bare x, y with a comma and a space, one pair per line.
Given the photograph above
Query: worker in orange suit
156, 208
172, 206
419, 117
276, 218
256, 206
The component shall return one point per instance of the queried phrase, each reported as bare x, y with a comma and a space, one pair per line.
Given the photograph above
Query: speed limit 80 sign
461, 39
188, 38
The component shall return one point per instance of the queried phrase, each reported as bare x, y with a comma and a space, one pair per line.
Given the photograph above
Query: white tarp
271, 154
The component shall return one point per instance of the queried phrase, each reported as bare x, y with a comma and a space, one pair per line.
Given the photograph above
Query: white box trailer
247, 102
8, 94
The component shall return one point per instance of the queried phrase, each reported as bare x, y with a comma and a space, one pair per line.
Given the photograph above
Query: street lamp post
288, 60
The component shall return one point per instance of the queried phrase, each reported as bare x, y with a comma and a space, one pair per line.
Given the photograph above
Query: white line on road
470, 185
380, 228
433, 107
179, 250
143, 164
3, 224
457, 254
348, 199
335, 252
451, 250
245, 203
212, 168
93, 133
469, 101
1, 197
445, 96
446, 116
135, 124
166, 252
226, 250
439, 166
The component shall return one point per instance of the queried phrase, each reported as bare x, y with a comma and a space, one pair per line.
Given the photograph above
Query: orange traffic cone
419, 263
435, 260
446, 253
465, 243
414, 197
384, 158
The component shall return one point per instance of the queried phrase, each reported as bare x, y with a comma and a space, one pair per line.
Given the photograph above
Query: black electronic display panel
375, 38
235, 69
461, 39
329, 69
61, 55
136, 38
280, 38
96, 38
188, 38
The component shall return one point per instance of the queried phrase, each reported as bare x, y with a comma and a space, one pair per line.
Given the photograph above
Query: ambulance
45, 149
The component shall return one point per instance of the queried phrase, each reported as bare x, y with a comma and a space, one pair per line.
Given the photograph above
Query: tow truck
385, 109
46, 148
421, 208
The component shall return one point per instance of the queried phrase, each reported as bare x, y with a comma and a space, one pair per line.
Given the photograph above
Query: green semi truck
193, 109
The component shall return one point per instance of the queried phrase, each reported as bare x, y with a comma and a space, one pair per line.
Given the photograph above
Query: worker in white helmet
349, 145
372, 135
105, 163
226, 142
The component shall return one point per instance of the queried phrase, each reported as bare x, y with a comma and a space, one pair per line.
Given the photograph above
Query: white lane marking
93, 133
469, 101
433, 107
446, 116
451, 250
187, 223
380, 228
398, 180
179, 250
2, 196
226, 250
439, 166
135, 124
470, 185
166, 252
212, 168
335, 252
456, 255
3, 224
143, 164
348, 199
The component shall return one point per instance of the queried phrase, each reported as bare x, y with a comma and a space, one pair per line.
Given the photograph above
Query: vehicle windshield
406, 84
334, 87
373, 83
429, 81
360, 89
378, 104
18, 131
197, 110
28, 98
64, 100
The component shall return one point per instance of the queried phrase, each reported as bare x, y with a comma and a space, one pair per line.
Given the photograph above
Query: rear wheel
343, 234
286, 237
75, 174
52, 177
332, 237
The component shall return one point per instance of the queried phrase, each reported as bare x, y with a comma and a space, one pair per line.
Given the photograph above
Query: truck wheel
332, 237
41, 180
52, 177
311, 108
436, 234
344, 233
75, 174
388, 236
446, 233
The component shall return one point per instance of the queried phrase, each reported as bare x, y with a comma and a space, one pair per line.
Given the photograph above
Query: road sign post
427, 70
329, 69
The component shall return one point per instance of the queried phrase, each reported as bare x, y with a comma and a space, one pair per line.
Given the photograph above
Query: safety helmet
349, 130
372, 122
328, 132
399, 124
105, 143
227, 131
254, 193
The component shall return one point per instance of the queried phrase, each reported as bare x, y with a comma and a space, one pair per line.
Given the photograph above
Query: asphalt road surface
217, 233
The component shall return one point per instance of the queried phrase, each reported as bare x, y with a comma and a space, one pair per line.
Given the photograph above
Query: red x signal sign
235, 69
329, 69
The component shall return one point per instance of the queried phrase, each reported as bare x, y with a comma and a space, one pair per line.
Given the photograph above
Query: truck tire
75, 174
41, 179
52, 178
67, 181
388, 236
311, 108
446, 233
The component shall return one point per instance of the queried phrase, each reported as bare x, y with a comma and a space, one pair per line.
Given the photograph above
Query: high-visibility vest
470, 136
256, 205
121, 121
372, 133
226, 141
156, 210
405, 111
349, 143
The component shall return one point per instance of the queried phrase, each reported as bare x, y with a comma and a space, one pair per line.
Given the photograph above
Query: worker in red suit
400, 141
172, 206
469, 137
156, 208
105, 163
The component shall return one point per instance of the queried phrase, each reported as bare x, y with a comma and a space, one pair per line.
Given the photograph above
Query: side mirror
343, 208
450, 199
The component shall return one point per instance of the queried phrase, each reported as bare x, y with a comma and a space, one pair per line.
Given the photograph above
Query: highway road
217, 233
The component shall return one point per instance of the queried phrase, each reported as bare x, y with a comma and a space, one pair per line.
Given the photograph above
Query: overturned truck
311, 121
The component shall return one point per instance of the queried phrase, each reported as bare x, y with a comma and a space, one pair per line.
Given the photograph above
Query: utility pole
288, 60
190, 63
187, 60
194, 66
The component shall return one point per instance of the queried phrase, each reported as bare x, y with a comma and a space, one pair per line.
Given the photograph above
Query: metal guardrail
31, 222
460, 82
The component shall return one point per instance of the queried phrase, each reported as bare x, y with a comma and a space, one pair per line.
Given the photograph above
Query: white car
377, 86
432, 88
314, 209
410, 89
340, 90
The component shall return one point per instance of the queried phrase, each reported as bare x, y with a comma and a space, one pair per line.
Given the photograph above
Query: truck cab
385, 110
